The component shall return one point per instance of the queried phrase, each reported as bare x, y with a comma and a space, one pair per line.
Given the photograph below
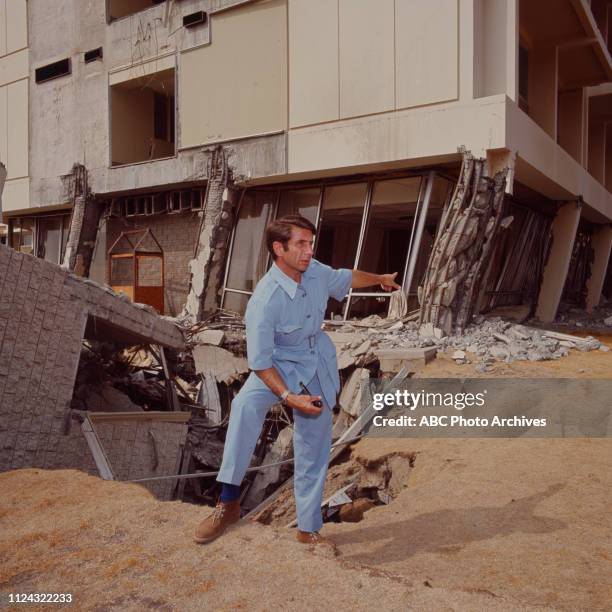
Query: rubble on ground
484, 341
576, 318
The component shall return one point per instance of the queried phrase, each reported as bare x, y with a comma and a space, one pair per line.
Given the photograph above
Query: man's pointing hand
387, 282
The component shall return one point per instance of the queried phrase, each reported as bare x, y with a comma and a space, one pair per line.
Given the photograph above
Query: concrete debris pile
485, 340
600, 318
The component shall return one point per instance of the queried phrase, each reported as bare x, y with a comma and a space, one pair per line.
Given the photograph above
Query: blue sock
229, 493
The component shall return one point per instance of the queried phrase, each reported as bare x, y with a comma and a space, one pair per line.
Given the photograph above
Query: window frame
36, 232
424, 197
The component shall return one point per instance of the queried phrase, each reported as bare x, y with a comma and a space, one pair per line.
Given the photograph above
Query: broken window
389, 231
123, 8
340, 224
387, 225
49, 243
143, 118
515, 269
22, 234
44, 236
304, 202
249, 254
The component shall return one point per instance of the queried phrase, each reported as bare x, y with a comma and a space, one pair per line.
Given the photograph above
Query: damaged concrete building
148, 142
45, 314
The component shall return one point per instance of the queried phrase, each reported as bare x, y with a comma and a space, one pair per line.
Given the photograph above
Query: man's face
299, 249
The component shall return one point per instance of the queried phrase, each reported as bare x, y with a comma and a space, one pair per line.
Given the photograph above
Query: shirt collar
288, 284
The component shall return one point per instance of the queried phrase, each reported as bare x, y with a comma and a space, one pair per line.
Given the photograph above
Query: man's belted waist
309, 343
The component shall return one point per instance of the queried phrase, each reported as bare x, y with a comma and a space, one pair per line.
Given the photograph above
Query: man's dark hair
280, 230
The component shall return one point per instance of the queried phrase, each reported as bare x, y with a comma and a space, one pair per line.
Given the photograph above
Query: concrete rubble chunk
341, 338
392, 360
350, 397
458, 355
608, 321
225, 366
567, 344
209, 336
498, 351
363, 348
345, 358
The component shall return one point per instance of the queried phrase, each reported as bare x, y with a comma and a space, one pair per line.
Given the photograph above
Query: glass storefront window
440, 193
236, 302
22, 235
49, 242
395, 217
340, 224
249, 257
364, 306
390, 226
304, 202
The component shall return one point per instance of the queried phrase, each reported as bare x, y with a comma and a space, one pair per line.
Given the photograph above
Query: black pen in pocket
317, 403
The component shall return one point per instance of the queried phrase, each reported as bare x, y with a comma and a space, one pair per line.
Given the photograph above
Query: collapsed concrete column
555, 271
602, 244
464, 245
208, 265
83, 225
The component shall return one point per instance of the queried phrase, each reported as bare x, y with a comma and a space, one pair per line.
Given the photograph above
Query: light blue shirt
283, 326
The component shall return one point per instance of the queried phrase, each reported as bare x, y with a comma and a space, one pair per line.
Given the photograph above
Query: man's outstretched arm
367, 279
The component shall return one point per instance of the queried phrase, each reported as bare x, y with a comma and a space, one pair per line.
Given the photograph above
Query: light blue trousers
311, 446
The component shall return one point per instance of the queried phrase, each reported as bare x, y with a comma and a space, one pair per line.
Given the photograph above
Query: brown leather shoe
314, 538
224, 515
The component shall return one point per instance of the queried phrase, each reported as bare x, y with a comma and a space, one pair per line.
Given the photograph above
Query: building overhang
569, 25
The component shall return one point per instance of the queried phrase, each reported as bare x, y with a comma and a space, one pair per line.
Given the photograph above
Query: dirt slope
525, 520
480, 525
115, 547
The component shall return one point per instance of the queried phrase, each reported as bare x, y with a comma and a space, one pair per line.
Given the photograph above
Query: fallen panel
225, 366
45, 312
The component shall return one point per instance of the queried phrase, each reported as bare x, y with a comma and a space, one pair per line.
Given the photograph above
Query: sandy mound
113, 546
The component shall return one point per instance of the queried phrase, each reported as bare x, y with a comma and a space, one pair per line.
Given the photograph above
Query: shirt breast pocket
288, 334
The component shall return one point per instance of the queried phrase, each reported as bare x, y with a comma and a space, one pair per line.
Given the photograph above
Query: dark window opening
158, 203
142, 118
93, 55
161, 116
194, 19
122, 8
53, 71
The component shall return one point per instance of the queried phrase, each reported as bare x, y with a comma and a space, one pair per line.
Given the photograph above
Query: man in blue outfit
286, 349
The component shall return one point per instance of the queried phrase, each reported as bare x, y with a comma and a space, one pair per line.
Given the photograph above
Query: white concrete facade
303, 89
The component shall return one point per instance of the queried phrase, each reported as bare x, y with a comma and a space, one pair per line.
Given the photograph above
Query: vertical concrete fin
207, 267
563, 229
83, 224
